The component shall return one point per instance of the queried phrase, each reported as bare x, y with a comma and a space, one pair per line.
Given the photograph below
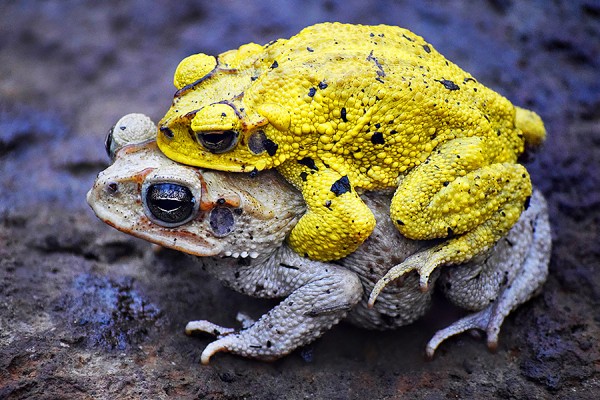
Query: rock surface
88, 312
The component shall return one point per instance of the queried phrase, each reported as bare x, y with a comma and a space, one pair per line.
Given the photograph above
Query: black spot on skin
303, 176
446, 183
407, 38
328, 204
309, 49
388, 320
343, 114
221, 201
270, 146
288, 266
377, 138
308, 162
380, 72
505, 278
448, 84
322, 85
275, 64
399, 222
450, 232
469, 80
312, 91
341, 186
426, 48
244, 262
378, 125
269, 344
527, 202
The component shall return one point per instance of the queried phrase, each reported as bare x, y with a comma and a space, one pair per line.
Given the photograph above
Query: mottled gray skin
254, 259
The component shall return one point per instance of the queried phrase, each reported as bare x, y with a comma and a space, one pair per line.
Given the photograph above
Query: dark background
88, 312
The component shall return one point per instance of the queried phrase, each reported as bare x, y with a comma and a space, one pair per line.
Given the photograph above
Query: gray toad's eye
169, 204
217, 142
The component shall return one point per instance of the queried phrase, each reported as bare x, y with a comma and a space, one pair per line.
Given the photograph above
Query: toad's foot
221, 332
224, 341
203, 326
482, 320
424, 262
516, 271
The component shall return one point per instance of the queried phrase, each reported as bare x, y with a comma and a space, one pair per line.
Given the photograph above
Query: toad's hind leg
511, 275
336, 222
458, 194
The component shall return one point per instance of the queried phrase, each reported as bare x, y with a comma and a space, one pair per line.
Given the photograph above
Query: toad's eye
169, 204
108, 143
218, 142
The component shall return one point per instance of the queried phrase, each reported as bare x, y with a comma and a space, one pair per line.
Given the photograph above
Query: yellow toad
340, 109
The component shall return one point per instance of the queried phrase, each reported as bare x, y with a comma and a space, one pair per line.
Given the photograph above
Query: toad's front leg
319, 295
337, 221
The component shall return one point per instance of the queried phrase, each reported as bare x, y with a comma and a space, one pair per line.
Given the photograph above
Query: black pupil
108, 142
170, 202
217, 142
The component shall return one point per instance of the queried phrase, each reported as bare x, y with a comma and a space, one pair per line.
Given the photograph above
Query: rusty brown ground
87, 312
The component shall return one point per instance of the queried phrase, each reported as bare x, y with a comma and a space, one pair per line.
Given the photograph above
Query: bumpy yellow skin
340, 108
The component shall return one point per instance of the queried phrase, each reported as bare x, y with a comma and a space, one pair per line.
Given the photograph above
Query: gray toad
237, 226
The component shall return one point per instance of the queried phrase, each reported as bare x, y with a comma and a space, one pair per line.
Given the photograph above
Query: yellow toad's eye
218, 142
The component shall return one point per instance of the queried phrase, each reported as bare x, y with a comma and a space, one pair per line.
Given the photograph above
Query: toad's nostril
112, 187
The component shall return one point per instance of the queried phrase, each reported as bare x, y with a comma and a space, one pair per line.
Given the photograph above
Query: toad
236, 227
342, 109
